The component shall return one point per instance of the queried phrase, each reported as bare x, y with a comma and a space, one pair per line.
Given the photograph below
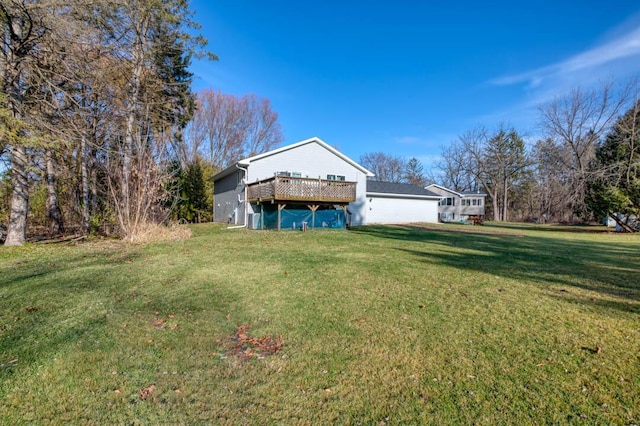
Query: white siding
401, 210
313, 161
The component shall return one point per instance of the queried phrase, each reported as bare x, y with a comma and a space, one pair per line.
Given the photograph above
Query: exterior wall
382, 209
472, 210
313, 160
229, 199
459, 211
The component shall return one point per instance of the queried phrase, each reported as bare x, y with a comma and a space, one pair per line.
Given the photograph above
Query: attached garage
400, 203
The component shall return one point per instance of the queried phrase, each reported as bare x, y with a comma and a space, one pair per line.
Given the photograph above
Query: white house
312, 184
456, 206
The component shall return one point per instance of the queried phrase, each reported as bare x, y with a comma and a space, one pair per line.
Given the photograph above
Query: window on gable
449, 201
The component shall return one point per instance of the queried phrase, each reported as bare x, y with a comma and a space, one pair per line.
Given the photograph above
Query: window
447, 216
449, 201
289, 174
479, 201
336, 177
475, 202
331, 177
340, 178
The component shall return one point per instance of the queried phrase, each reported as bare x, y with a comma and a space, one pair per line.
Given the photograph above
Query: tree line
98, 121
585, 165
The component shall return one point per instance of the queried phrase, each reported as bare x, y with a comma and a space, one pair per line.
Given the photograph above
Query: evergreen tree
616, 190
415, 172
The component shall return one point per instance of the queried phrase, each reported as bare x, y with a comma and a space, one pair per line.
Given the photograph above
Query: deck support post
261, 217
280, 207
313, 208
345, 207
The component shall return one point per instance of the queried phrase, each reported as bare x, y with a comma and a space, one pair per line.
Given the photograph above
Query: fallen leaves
596, 351
158, 324
146, 392
245, 346
161, 323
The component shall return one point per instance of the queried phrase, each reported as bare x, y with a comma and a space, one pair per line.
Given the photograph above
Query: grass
520, 324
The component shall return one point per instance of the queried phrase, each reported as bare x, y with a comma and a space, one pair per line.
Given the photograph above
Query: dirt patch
245, 346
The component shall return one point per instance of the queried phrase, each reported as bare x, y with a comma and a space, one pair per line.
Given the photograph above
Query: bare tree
494, 160
471, 151
263, 130
575, 123
454, 167
226, 128
615, 190
385, 167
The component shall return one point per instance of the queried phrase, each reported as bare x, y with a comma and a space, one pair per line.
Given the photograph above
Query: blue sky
407, 77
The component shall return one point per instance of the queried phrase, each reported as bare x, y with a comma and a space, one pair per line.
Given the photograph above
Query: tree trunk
504, 201
625, 226
54, 215
17, 231
496, 206
126, 203
86, 227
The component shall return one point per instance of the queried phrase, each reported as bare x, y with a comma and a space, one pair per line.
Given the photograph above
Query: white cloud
407, 140
620, 49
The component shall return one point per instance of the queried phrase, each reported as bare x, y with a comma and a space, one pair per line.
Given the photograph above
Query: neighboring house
309, 184
459, 206
400, 203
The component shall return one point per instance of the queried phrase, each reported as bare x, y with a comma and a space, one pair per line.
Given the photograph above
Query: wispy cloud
407, 140
621, 48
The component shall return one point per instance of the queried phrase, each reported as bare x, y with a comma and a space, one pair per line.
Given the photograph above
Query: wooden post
344, 207
313, 208
280, 207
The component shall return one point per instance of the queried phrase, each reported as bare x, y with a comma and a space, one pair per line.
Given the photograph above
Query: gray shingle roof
379, 187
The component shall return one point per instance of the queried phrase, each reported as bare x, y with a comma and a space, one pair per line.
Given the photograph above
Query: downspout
246, 210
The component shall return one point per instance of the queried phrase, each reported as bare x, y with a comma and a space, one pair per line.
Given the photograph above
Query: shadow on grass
604, 267
579, 228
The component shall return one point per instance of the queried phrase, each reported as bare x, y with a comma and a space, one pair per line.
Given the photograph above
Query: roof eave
226, 172
396, 195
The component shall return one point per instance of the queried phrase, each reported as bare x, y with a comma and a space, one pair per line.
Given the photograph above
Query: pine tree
616, 190
415, 172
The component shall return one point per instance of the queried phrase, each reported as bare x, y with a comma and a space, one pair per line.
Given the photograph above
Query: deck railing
281, 188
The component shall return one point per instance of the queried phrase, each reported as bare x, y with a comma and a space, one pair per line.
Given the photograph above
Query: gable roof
460, 194
247, 161
399, 190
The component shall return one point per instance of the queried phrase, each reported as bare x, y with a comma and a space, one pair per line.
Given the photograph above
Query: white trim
459, 194
408, 196
247, 161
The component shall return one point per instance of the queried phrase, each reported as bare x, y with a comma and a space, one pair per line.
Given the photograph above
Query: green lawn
522, 324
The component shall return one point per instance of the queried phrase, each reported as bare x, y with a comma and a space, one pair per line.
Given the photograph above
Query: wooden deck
281, 188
